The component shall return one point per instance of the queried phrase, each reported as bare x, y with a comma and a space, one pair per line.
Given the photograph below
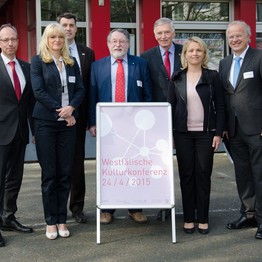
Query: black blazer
87, 57
13, 113
211, 95
245, 101
47, 88
158, 72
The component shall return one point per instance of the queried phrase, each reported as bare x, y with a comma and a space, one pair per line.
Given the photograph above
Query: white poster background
134, 156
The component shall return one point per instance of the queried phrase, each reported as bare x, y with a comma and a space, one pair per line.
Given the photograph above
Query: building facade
207, 19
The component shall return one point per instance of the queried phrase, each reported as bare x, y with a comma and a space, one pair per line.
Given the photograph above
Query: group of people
59, 93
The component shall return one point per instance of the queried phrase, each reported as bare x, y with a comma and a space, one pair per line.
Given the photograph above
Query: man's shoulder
84, 48
101, 61
136, 59
150, 51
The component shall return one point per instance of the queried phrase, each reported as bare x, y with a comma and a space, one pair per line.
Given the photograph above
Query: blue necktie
236, 70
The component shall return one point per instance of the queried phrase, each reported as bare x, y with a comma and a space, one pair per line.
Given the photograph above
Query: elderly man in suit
164, 31
16, 104
241, 75
163, 60
104, 88
84, 57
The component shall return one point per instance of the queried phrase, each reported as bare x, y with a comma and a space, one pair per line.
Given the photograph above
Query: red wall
246, 10
99, 27
15, 12
150, 12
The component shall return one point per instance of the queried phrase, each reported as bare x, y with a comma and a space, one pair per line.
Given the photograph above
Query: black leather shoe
259, 232
2, 241
203, 231
79, 217
242, 222
14, 225
189, 230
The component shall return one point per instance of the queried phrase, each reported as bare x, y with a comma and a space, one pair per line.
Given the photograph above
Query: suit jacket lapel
159, 60
82, 56
131, 72
248, 57
6, 81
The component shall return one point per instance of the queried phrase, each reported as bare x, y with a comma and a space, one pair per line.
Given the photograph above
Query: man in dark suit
16, 104
243, 98
164, 31
84, 56
136, 88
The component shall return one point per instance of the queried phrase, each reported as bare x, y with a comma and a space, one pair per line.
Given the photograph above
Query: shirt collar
113, 60
243, 54
171, 50
7, 60
73, 45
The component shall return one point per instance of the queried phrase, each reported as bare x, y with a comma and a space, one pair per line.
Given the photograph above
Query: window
215, 42
195, 11
51, 9
124, 15
123, 11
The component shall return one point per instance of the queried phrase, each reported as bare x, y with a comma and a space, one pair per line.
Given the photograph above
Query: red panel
246, 10
17, 15
150, 12
99, 27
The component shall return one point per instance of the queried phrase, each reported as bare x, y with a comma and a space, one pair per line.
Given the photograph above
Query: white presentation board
134, 156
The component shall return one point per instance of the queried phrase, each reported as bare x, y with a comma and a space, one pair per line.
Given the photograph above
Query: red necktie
120, 82
167, 63
16, 80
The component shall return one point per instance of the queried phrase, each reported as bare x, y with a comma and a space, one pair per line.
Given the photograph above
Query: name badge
248, 75
139, 83
71, 79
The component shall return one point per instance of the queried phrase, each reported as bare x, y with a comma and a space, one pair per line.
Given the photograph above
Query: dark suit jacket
13, 113
47, 88
87, 57
101, 88
158, 72
245, 101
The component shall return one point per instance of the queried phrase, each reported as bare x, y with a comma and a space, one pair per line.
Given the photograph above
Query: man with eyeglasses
16, 104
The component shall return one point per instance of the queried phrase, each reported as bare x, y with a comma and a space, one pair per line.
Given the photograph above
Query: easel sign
134, 158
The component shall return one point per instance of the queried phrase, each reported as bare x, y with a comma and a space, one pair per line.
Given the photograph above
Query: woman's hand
65, 111
70, 120
216, 142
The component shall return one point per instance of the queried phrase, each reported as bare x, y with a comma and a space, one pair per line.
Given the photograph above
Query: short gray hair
164, 21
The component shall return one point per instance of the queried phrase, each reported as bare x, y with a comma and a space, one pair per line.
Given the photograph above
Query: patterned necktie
16, 80
120, 82
167, 64
236, 70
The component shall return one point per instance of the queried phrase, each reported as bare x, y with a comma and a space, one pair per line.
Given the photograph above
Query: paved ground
126, 241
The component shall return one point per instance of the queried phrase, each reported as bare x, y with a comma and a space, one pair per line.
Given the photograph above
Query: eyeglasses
7, 40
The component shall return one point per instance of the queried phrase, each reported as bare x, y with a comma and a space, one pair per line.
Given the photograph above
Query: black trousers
195, 162
11, 174
247, 158
78, 187
55, 145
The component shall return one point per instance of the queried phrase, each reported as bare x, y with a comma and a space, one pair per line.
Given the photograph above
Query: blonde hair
203, 47
44, 51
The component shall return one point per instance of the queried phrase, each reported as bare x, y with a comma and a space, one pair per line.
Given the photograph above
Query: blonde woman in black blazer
197, 100
58, 90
